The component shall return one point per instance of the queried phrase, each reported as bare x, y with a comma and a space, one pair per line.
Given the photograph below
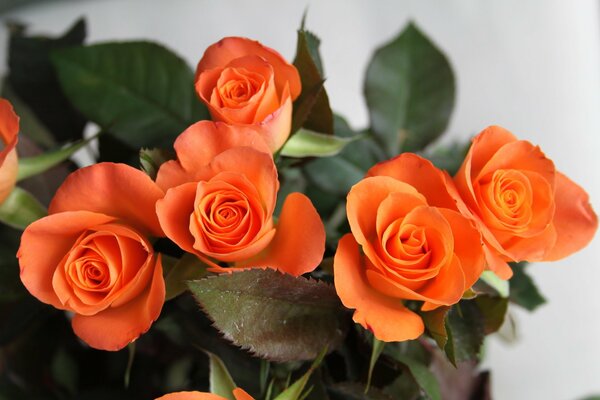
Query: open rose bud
9, 129
92, 254
408, 242
524, 207
238, 393
220, 197
245, 83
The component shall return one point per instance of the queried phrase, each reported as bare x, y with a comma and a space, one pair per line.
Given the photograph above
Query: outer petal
275, 128
174, 212
230, 48
199, 144
468, 245
299, 241
240, 394
114, 328
419, 173
112, 189
496, 263
9, 129
43, 245
191, 396
574, 220
387, 318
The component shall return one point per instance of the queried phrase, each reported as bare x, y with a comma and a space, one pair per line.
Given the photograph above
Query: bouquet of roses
232, 230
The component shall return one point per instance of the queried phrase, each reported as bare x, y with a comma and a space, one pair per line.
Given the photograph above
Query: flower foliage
259, 225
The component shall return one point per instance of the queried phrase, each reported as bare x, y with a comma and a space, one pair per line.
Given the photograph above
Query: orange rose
524, 207
245, 83
238, 393
9, 129
92, 255
220, 196
408, 242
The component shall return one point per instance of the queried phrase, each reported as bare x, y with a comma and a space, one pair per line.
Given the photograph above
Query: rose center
237, 87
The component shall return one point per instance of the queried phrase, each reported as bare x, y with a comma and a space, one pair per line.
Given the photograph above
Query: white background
531, 66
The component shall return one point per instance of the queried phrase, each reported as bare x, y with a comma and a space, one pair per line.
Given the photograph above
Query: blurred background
532, 67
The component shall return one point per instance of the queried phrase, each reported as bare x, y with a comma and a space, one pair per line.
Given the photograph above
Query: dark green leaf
20, 209
449, 157
435, 323
376, 350
221, 382
311, 108
523, 290
138, 91
277, 316
424, 377
34, 80
409, 89
307, 143
30, 166
493, 310
355, 391
152, 159
296, 389
466, 329
178, 272
501, 286
29, 124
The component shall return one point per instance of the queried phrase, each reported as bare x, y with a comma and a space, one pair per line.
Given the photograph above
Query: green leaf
220, 380
30, 166
277, 316
34, 81
376, 350
501, 286
311, 108
523, 290
178, 272
355, 391
152, 159
424, 377
29, 123
410, 92
130, 358
294, 392
466, 330
493, 310
20, 209
435, 323
138, 91
307, 143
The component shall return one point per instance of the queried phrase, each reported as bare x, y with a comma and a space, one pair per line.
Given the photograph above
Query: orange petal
574, 220
299, 241
364, 200
495, 263
275, 128
257, 167
386, 317
419, 173
191, 396
485, 145
9, 129
112, 189
226, 50
44, 244
520, 155
468, 245
199, 144
240, 394
174, 211
116, 327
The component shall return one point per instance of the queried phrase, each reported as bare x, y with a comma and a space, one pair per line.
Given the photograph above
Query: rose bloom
408, 242
238, 393
524, 207
9, 129
92, 254
220, 197
245, 83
